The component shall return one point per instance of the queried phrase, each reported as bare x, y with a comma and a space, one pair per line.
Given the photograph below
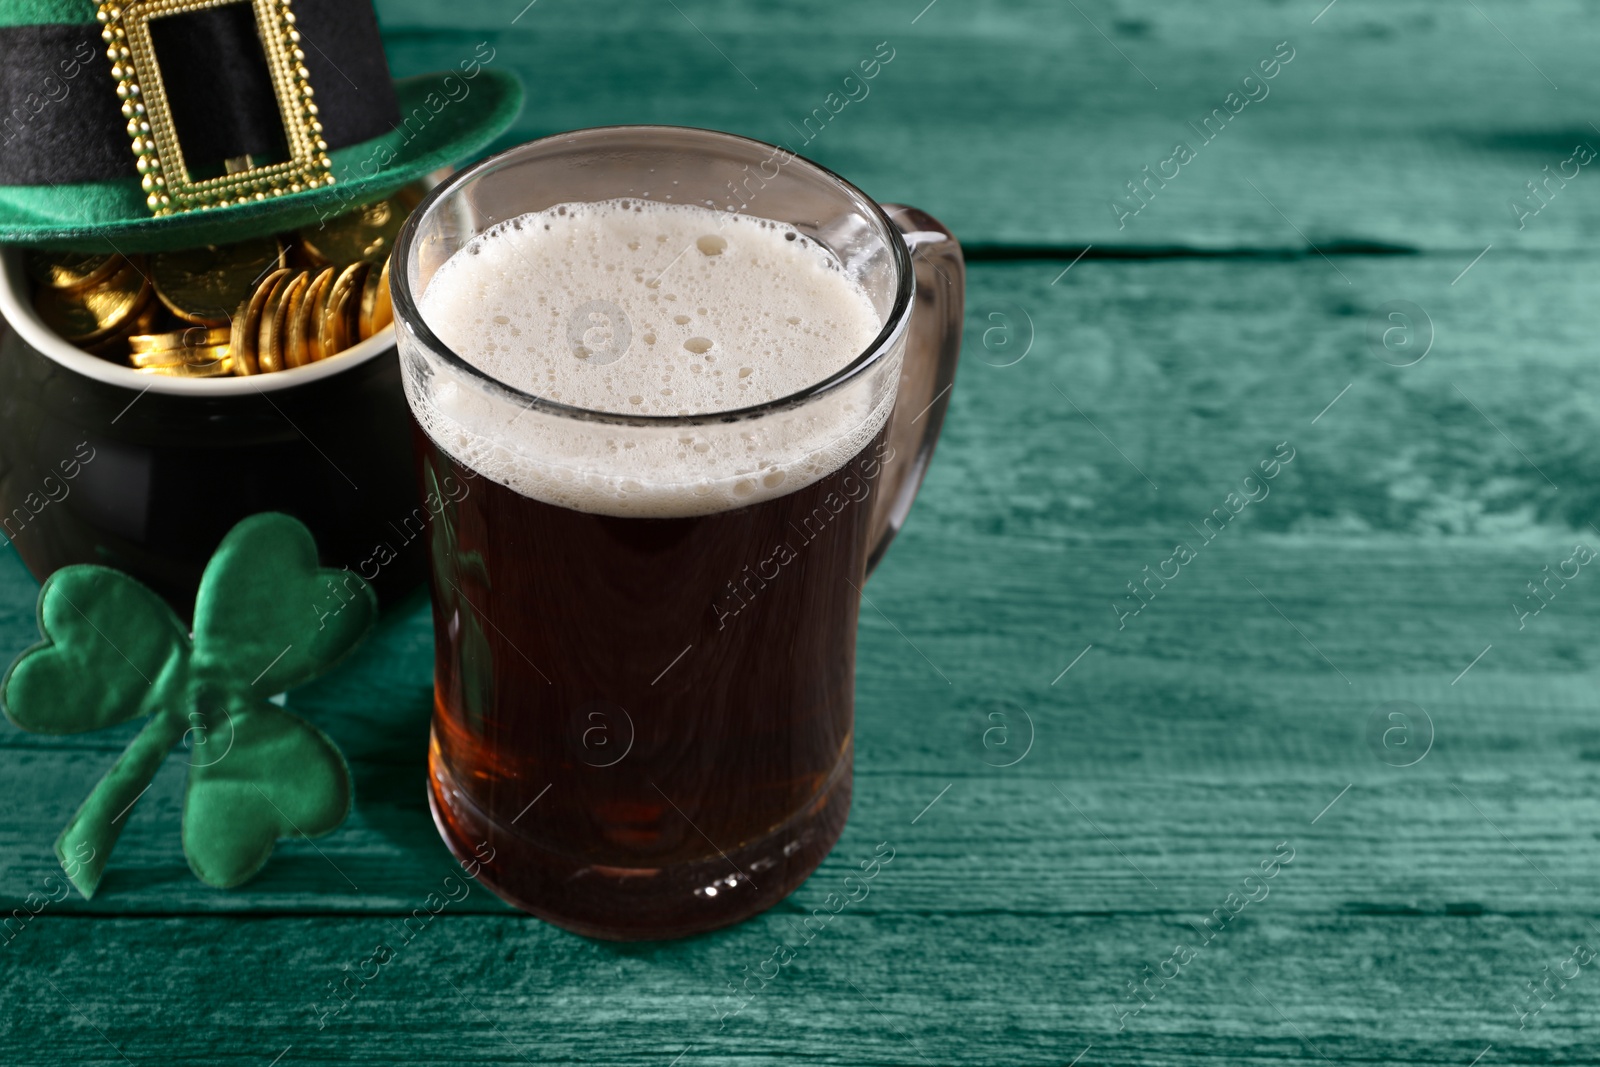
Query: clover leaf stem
85, 845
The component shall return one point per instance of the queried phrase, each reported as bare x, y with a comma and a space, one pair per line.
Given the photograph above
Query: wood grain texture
901, 988
1165, 765
1242, 707
1407, 124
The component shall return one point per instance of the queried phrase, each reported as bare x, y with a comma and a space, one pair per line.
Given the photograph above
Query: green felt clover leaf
266, 619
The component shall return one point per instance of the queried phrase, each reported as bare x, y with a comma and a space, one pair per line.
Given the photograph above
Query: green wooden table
1079, 798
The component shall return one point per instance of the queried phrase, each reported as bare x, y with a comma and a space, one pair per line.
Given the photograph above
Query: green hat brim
436, 130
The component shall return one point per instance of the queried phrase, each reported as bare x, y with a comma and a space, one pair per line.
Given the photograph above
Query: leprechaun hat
143, 125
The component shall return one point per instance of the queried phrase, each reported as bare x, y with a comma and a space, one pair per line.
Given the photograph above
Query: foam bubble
643, 308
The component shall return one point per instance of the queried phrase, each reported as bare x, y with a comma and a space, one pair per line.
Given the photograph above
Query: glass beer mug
644, 670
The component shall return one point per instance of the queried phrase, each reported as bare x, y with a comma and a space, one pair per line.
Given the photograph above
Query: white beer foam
640, 307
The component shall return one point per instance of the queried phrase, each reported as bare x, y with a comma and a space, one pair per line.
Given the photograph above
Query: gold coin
301, 343
201, 285
188, 338
247, 324
86, 315
364, 235
341, 303
275, 321
217, 368
115, 345
145, 360
71, 270
146, 318
376, 312
197, 355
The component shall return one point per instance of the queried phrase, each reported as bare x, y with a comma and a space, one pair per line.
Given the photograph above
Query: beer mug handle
928, 372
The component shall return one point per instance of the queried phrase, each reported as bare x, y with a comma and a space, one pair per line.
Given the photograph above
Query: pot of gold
194, 273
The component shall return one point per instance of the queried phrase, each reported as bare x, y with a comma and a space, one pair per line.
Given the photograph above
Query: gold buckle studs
164, 173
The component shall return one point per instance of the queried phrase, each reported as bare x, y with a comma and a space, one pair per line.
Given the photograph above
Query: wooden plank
1405, 124
1059, 844
866, 988
1206, 729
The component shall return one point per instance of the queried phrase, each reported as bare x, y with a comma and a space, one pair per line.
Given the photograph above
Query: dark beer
645, 602
649, 721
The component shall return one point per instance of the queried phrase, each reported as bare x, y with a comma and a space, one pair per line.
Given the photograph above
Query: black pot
102, 464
